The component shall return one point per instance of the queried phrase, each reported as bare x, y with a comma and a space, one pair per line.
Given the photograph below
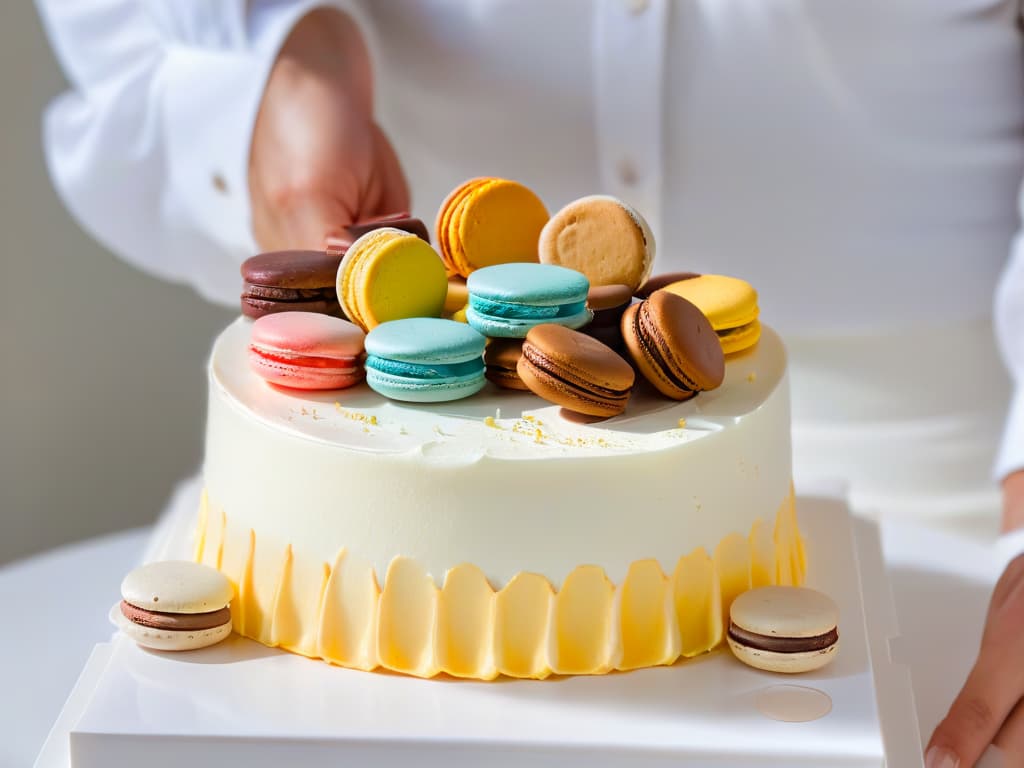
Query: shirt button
219, 183
628, 174
637, 6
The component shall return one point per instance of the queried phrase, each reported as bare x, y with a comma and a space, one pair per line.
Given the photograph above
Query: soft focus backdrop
102, 393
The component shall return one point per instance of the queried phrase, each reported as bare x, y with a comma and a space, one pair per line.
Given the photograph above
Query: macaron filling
777, 644
517, 311
305, 361
175, 621
435, 373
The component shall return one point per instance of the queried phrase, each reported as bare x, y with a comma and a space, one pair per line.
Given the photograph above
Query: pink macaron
306, 350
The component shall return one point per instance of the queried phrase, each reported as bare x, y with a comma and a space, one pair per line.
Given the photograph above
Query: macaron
784, 629
602, 237
729, 303
458, 295
175, 605
425, 360
501, 360
287, 281
303, 350
388, 274
608, 303
340, 241
573, 370
488, 221
507, 300
673, 345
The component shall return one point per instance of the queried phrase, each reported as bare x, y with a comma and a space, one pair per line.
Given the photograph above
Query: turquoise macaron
507, 300
425, 360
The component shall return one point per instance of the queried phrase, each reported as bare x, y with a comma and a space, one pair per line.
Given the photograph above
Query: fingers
992, 690
1010, 738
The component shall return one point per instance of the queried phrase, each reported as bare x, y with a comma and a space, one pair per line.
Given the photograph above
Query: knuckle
972, 715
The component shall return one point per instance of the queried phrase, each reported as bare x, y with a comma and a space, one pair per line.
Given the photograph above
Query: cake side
562, 546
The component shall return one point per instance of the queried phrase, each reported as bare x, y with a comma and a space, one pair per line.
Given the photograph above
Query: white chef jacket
859, 162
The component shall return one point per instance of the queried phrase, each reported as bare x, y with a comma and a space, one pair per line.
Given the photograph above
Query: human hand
318, 161
990, 707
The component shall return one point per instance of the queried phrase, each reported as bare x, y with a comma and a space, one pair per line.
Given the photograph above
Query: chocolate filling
175, 621
252, 291
775, 644
656, 350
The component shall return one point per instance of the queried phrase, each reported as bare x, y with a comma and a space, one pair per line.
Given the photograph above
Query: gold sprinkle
538, 436
490, 422
356, 416
682, 423
751, 377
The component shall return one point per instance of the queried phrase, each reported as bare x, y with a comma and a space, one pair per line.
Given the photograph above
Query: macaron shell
177, 586
422, 391
539, 284
602, 237
659, 281
457, 296
308, 333
728, 302
501, 358
345, 283
786, 663
168, 639
785, 611
739, 339
425, 340
291, 269
497, 221
305, 377
442, 225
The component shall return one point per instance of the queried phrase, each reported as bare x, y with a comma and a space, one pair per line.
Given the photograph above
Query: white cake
494, 535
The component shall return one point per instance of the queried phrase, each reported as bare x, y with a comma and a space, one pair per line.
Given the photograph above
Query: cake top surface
496, 423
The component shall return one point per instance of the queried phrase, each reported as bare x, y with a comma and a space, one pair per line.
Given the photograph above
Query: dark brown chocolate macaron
673, 345
573, 370
658, 282
608, 302
502, 358
286, 281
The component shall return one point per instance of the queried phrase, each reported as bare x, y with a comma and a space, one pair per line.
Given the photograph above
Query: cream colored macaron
784, 629
175, 605
602, 237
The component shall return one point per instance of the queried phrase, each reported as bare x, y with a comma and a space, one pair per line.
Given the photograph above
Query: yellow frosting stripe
296, 615
340, 614
235, 556
698, 603
732, 561
214, 538
521, 620
348, 620
408, 611
200, 534
581, 631
647, 626
264, 574
762, 555
465, 624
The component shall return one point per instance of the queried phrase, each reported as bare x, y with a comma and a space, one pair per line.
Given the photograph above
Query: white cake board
240, 703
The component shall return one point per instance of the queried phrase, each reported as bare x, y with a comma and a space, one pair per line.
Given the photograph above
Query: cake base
243, 703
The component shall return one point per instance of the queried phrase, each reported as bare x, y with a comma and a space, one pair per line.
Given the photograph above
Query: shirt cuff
209, 102
1011, 451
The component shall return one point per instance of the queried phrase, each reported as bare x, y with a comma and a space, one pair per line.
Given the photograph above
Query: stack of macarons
554, 304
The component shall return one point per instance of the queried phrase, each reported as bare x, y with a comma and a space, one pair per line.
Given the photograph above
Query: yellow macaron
488, 221
729, 303
388, 274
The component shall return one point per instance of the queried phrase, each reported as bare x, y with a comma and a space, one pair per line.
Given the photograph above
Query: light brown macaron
784, 629
175, 605
502, 358
572, 370
602, 237
673, 345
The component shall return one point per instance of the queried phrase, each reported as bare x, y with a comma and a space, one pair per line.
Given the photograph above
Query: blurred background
102, 386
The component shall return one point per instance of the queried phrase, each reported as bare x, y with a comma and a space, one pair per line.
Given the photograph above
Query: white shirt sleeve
149, 148
1009, 323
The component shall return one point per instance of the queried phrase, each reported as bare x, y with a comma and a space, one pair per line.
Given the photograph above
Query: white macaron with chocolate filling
175, 605
784, 629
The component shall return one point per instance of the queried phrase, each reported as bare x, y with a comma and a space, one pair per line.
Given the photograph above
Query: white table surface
940, 582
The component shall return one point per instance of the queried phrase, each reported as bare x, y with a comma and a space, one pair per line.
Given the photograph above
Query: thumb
388, 191
315, 218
